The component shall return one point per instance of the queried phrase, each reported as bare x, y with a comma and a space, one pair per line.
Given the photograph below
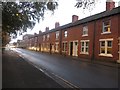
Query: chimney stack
47, 29
119, 3
74, 18
40, 32
35, 33
110, 4
57, 24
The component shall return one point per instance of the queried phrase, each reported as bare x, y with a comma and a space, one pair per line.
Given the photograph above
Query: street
80, 74
17, 73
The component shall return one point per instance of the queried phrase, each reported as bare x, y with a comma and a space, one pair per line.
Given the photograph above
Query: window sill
84, 35
106, 55
56, 51
106, 33
84, 53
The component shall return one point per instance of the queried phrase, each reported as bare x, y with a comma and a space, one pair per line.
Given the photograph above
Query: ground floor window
57, 47
42, 47
106, 47
48, 47
52, 48
64, 46
84, 47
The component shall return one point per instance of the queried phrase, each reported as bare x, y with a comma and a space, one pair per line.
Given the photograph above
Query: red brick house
26, 40
50, 40
96, 37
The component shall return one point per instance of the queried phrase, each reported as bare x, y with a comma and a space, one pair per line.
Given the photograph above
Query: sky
63, 15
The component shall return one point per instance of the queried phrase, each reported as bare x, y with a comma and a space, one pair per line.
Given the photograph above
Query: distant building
21, 44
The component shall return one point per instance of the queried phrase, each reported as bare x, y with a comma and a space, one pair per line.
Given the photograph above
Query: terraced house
96, 37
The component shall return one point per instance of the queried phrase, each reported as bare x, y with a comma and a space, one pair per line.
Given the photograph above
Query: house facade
96, 37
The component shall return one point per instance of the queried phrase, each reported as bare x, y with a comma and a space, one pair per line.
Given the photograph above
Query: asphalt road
80, 74
17, 73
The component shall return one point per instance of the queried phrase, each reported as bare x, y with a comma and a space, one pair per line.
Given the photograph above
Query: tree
18, 16
86, 4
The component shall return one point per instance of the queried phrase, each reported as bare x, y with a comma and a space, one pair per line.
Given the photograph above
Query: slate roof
87, 19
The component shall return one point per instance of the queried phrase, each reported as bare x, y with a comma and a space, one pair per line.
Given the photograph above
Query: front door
71, 48
75, 48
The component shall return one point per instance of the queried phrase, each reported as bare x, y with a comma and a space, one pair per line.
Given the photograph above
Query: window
84, 46
65, 33
106, 27
43, 37
57, 35
106, 47
85, 31
56, 46
35, 39
64, 46
48, 36
48, 47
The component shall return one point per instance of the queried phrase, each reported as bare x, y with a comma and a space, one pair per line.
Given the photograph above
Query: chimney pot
40, 32
110, 4
47, 28
74, 18
119, 3
35, 33
57, 24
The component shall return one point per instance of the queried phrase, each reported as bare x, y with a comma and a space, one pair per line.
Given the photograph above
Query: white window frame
36, 39
57, 35
65, 33
106, 46
85, 29
56, 46
64, 49
43, 37
84, 52
104, 26
48, 36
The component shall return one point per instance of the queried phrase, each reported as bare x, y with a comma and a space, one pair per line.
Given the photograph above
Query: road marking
50, 74
70, 85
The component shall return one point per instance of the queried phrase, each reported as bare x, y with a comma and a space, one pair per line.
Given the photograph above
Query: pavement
100, 62
17, 73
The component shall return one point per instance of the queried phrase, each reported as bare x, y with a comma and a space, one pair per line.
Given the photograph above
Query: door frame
77, 47
70, 45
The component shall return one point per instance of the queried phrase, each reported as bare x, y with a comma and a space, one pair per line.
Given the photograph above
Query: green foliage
20, 16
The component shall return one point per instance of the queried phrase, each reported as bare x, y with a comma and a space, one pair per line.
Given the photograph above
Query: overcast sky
63, 15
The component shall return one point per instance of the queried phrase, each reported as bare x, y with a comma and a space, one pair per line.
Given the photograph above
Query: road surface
78, 73
17, 73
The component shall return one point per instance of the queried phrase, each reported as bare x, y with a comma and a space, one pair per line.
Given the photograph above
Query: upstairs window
57, 35
48, 36
106, 27
65, 33
85, 31
35, 39
43, 37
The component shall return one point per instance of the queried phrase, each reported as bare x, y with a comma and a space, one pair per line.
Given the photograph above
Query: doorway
73, 48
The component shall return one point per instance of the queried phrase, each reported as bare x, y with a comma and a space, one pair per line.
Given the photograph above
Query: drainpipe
60, 42
118, 61
94, 34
